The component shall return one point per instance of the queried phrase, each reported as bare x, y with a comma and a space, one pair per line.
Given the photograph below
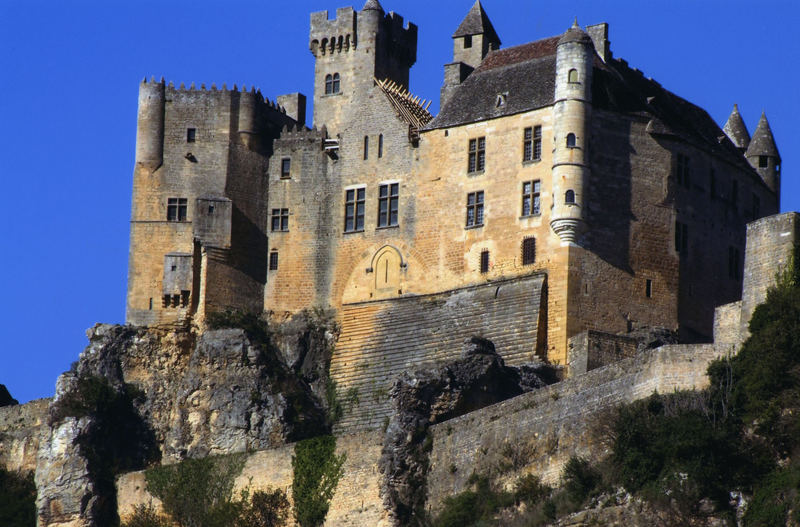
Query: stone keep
551, 159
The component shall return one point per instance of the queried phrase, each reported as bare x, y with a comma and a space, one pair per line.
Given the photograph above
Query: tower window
477, 155
191, 135
380, 146
681, 238
682, 173
388, 204
286, 168
530, 197
648, 288
569, 197
572, 76
280, 220
484, 261
366, 147
733, 263
475, 209
273, 261
331, 84
763, 161
571, 141
467, 41
528, 251
176, 209
354, 210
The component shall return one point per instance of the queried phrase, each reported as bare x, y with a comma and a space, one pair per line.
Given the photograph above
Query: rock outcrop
5, 397
423, 398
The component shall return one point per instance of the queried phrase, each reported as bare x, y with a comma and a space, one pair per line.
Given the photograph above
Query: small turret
150, 126
762, 154
736, 130
475, 37
372, 5
572, 119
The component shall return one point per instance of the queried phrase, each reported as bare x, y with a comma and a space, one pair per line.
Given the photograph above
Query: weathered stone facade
553, 156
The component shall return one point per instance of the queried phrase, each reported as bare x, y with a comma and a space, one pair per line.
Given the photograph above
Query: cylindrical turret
150, 127
572, 112
247, 117
762, 154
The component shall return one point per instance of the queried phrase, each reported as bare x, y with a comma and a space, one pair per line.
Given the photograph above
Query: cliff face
139, 395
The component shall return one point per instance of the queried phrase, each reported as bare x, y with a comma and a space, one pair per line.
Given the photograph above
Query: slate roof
763, 144
736, 130
373, 5
475, 23
525, 74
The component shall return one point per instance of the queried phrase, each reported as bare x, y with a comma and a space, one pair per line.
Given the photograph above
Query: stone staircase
381, 339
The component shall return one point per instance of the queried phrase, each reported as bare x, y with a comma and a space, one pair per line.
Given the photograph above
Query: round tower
572, 112
247, 116
762, 154
150, 126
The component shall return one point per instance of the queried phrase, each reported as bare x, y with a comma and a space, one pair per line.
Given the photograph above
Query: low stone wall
357, 500
593, 349
539, 431
21, 429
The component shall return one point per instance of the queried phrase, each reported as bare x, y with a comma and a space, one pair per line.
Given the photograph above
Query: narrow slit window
648, 288
467, 41
484, 261
380, 146
366, 147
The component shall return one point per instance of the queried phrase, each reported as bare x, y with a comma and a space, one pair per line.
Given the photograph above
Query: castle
553, 170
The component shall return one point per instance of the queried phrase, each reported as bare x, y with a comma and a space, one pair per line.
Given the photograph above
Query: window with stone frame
388, 202
571, 141
475, 209
366, 147
331, 84
176, 209
191, 135
485, 261
682, 173
354, 209
286, 168
380, 146
280, 220
273, 261
528, 251
476, 160
532, 143
531, 198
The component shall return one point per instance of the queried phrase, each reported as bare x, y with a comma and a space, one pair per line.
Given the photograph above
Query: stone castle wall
22, 428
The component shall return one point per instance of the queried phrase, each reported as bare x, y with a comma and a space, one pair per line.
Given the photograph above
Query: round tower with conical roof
736, 130
572, 113
762, 154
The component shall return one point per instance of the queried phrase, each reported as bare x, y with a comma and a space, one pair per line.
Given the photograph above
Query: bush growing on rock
17, 499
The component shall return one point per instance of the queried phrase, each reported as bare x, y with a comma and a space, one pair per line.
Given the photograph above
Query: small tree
317, 471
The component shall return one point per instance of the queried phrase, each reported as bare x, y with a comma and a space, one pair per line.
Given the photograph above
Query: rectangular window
756, 207
484, 261
191, 135
530, 198
532, 144
681, 238
475, 209
380, 146
388, 201
286, 168
648, 288
528, 251
733, 263
682, 172
366, 147
280, 219
477, 155
176, 209
763, 161
354, 210
273, 261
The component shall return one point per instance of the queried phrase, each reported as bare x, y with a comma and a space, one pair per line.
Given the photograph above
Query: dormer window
467, 41
501, 100
331, 84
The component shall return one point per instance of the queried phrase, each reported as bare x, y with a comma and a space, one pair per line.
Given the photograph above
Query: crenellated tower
351, 51
572, 112
762, 154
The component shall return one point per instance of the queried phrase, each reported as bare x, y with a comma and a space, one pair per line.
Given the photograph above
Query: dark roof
475, 23
524, 75
763, 143
736, 130
575, 34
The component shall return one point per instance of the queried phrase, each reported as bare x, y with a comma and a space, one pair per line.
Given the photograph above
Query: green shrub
581, 481
265, 509
198, 492
17, 499
530, 489
316, 473
474, 507
776, 499
146, 516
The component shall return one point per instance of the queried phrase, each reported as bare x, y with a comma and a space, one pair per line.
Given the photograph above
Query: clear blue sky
70, 73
